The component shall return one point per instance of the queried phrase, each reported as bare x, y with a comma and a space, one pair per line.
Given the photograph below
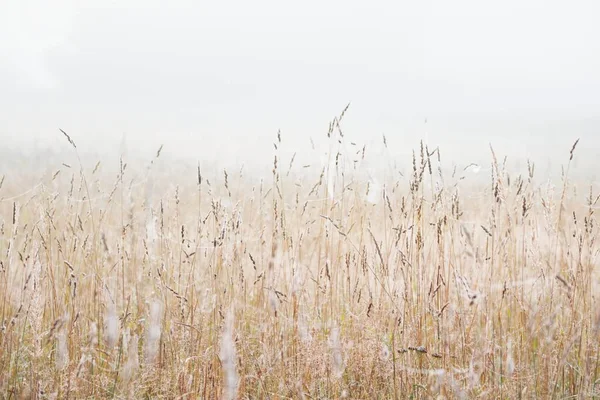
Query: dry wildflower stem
160, 286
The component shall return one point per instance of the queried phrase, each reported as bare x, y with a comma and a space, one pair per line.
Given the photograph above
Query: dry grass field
151, 283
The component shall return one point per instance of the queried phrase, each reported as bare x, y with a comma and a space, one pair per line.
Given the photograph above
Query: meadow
150, 281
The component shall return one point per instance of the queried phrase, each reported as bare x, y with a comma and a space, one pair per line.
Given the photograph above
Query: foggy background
215, 81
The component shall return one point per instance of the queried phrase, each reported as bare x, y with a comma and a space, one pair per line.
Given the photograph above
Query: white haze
215, 81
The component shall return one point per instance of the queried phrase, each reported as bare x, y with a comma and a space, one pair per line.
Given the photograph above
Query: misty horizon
216, 83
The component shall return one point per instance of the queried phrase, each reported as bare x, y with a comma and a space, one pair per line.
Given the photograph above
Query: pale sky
216, 80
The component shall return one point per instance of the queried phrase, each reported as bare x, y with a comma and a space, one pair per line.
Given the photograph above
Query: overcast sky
218, 79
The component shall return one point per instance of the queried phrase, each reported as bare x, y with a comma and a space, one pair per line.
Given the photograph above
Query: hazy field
156, 280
